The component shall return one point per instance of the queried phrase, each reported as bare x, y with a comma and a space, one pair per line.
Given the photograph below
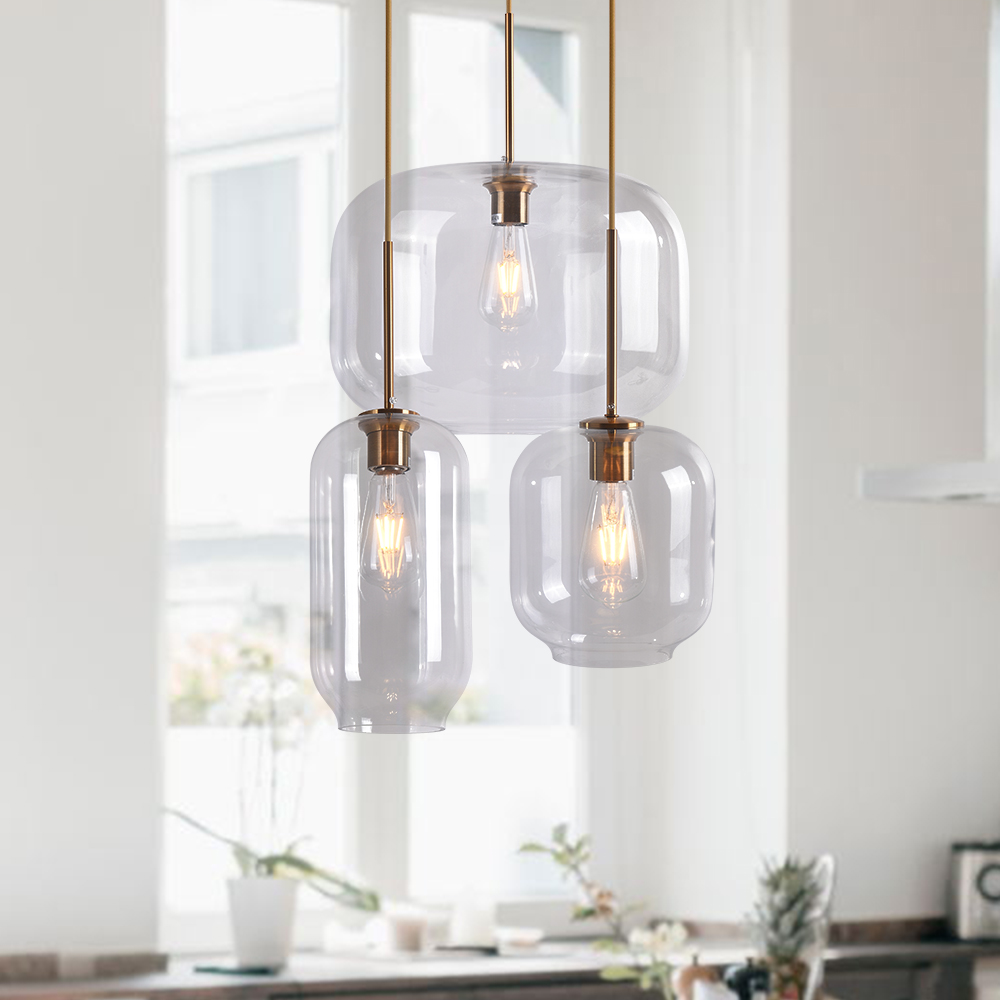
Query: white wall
893, 639
81, 396
827, 160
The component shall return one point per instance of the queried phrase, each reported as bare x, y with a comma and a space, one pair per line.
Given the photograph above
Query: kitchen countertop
555, 964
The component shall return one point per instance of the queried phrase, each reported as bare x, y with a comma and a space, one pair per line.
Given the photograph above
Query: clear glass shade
391, 580
612, 574
502, 328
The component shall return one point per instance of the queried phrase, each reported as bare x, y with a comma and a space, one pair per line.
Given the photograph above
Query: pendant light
501, 330
612, 559
390, 548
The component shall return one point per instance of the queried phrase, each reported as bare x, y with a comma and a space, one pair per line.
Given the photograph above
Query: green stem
210, 833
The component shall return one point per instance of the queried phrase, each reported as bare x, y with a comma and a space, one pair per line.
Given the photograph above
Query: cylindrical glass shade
391, 578
612, 574
502, 328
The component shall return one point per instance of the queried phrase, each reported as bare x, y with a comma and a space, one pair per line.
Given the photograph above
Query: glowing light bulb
612, 563
390, 547
507, 293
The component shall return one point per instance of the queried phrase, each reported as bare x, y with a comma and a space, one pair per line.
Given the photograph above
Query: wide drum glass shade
502, 328
391, 578
612, 574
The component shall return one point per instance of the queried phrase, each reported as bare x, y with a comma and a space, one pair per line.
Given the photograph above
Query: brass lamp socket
612, 447
509, 199
388, 433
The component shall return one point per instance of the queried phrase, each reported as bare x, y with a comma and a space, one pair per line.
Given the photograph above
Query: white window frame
314, 153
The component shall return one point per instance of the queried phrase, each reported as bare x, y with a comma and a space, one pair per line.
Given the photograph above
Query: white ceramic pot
262, 913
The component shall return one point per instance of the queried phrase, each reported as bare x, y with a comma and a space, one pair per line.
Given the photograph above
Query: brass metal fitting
612, 451
509, 198
388, 434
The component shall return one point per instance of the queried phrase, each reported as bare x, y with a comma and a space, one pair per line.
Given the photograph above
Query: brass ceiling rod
508, 80
388, 429
388, 358
612, 238
509, 187
612, 437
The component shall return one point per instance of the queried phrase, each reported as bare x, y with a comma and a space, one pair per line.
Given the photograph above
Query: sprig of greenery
289, 864
649, 949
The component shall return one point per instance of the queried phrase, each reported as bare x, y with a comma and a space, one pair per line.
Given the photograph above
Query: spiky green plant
786, 915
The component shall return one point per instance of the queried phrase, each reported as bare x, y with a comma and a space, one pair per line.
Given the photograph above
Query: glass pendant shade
612, 574
390, 579
501, 328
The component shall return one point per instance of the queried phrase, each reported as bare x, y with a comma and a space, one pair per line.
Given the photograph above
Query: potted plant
238, 683
262, 898
645, 954
790, 922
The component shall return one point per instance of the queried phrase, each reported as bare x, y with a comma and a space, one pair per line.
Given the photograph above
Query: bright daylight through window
258, 178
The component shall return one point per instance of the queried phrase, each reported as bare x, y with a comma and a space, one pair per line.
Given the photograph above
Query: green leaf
646, 980
560, 832
609, 945
533, 848
292, 847
584, 913
619, 974
246, 862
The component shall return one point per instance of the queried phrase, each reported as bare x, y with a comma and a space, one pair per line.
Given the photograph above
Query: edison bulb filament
612, 562
390, 556
507, 298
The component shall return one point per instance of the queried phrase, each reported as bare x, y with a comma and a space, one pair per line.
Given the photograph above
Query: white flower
640, 939
659, 943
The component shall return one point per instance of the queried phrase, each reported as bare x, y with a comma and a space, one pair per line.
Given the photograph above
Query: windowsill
556, 964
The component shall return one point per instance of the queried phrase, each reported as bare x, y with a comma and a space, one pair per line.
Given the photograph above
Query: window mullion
382, 812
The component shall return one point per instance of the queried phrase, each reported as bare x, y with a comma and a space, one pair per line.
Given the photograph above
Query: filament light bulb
612, 563
390, 550
507, 293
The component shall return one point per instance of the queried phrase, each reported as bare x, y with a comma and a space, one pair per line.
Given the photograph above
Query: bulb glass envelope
457, 358
639, 603
390, 580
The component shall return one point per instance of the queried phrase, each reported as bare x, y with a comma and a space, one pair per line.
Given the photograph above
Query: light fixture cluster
613, 561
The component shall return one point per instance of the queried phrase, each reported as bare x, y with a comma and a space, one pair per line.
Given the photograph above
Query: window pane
244, 258
256, 153
458, 95
508, 771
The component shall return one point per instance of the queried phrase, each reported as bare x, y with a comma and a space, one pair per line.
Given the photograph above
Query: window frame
317, 152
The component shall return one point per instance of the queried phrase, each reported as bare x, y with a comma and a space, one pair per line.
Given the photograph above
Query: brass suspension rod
388, 357
508, 80
612, 243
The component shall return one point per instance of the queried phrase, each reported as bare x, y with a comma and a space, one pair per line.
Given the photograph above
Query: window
243, 258
458, 107
259, 176
513, 754
258, 181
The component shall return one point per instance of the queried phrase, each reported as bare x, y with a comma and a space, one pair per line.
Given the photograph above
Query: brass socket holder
509, 199
388, 433
612, 451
